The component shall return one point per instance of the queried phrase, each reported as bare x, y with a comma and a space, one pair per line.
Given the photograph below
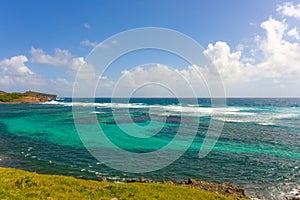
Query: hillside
2, 92
26, 97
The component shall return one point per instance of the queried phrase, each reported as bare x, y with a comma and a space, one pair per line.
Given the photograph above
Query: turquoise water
259, 147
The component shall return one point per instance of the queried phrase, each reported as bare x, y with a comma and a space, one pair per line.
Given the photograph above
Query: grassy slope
18, 184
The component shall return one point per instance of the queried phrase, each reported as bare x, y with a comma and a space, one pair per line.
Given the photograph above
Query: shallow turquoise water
259, 147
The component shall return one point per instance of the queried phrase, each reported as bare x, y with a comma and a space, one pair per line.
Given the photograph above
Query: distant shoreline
25, 98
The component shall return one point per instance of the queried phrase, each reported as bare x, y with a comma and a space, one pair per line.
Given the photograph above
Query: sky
254, 45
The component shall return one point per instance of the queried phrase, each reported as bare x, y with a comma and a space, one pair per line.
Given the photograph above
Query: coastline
18, 183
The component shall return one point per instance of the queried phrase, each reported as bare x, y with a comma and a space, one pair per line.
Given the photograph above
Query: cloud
281, 57
89, 43
60, 57
107, 44
63, 58
14, 73
153, 80
294, 33
75, 67
15, 65
289, 9
104, 45
87, 25
228, 64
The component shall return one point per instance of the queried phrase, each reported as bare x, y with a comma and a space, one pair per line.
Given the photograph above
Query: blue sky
36, 29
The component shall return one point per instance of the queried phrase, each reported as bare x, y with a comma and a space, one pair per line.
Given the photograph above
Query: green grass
18, 184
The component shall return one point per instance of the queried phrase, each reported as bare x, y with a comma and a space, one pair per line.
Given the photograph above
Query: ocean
258, 148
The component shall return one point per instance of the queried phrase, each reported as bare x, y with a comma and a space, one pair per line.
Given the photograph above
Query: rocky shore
229, 190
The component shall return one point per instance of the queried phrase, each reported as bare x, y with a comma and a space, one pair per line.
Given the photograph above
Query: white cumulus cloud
228, 63
15, 65
63, 58
281, 57
60, 57
289, 9
15, 74
154, 80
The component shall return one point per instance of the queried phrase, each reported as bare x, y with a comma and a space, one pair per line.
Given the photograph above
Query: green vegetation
10, 96
18, 184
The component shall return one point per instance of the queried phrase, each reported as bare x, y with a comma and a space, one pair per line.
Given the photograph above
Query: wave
97, 112
59, 99
266, 123
260, 115
285, 116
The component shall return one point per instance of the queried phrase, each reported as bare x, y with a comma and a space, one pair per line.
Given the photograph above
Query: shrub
10, 96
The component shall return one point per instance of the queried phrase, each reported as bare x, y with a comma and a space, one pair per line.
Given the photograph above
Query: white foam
266, 123
285, 115
96, 112
193, 105
228, 114
233, 119
52, 102
190, 109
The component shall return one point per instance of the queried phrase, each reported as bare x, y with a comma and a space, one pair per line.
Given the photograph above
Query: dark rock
181, 182
229, 191
191, 181
140, 180
132, 180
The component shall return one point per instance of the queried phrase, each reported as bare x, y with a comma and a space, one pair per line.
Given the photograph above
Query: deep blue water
259, 147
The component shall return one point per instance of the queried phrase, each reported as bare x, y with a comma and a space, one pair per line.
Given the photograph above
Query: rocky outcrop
140, 180
42, 97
